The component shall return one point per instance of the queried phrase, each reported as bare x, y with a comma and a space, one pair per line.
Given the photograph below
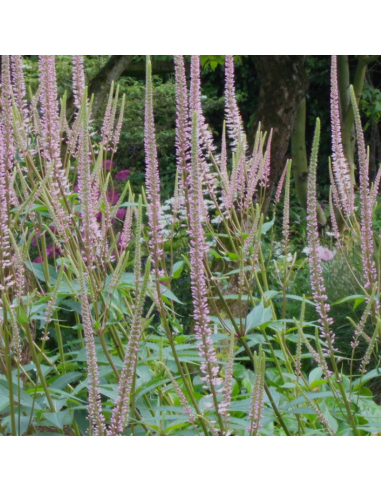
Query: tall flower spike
110, 134
237, 178
118, 128
334, 203
6, 279
279, 189
340, 165
183, 131
152, 176
267, 164
367, 240
224, 162
122, 404
286, 210
257, 399
233, 184
50, 121
106, 126
7, 113
198, 249
316, 270
78, 79
18, 268
189, 412
233, 116
18, 83
95, 403
125, 236
205, 137
256, 166
50, 140
89, 227
228, 384
376, 186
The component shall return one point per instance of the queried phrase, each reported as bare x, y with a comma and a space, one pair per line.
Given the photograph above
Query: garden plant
126, 314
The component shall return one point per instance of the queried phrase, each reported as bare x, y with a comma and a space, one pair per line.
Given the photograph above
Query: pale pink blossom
325, 254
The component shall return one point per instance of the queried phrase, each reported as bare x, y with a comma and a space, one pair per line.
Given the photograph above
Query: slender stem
267, 390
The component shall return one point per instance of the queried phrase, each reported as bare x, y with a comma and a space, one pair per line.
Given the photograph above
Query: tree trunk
283, 84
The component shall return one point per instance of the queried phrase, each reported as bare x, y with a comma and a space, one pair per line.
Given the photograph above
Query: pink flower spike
183, 137
233, 117
340, 167
78, 79
152, 176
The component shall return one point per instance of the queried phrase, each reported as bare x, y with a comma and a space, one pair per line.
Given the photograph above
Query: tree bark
283, 84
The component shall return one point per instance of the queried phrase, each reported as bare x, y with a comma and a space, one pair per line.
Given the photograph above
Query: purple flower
121, 213
107, 165
34, 239
52, 251
37, 235
112, 197
123, 175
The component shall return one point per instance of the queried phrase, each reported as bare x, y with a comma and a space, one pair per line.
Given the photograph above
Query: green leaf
258, 317
270, 294
232, 256
59, 419
165, 292
358, 298
214, 253
178, 269
38, 271
66, 379
267, 226
298, 298
315, 375
20, 395
375, 373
